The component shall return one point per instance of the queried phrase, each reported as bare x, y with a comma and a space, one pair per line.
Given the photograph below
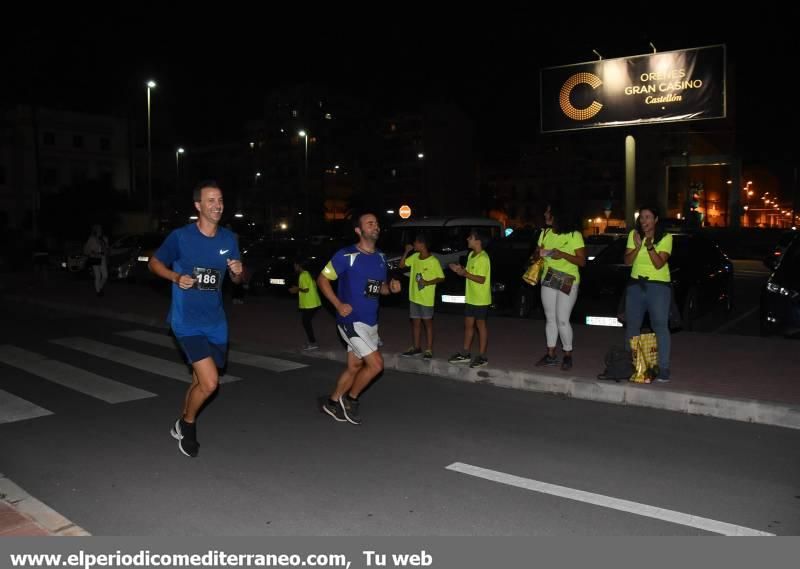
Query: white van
447, 236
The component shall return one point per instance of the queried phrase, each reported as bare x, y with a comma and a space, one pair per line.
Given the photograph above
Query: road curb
38, 511
624, 393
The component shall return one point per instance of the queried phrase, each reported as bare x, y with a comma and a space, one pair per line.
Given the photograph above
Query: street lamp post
150, 85
421, 158
178, 153
303, 134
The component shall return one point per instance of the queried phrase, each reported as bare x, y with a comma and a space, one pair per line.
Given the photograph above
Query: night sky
213, 66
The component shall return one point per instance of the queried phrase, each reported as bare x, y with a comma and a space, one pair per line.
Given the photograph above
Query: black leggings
308, 315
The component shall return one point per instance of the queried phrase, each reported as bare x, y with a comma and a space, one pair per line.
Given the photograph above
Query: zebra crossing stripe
70, 376
13, 408
244, 358
136, 360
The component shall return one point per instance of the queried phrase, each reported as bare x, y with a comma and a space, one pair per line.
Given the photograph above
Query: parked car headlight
778, 289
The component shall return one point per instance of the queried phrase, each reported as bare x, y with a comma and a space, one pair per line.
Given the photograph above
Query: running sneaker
478, 361
428, 355
334, 410
547, 360
350, 409
460, 358
186, 435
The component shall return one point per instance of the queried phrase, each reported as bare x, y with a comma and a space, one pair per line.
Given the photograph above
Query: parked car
786, 239
595, 244
129, 256
448, 236
702, 280
269, 264
780, 297
510, 294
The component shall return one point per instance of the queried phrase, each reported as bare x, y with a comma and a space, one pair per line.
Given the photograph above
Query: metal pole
149, 160
308, 190
630, 180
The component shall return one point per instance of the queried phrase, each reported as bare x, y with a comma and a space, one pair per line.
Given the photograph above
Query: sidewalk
744, 378
24, 515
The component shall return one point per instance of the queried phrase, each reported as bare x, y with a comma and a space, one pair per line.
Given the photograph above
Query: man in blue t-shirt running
195, 259
361, 273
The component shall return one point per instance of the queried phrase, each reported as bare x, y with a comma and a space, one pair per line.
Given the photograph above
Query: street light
178, 153
180, 150
257, 176
304, 135
150, 85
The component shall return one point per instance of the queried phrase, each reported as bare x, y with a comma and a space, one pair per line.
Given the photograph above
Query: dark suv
702, 278
780, 298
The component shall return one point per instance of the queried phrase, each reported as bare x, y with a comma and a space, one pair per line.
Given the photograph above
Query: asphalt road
433, 457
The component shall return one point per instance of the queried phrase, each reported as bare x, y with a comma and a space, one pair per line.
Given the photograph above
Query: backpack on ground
619, 364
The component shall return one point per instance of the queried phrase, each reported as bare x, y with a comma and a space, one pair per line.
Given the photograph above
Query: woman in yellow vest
562, 248
649, 289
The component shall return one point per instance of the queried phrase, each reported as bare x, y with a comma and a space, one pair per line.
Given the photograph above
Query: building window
79, 175
393, 127
328, 116
77, 141
294, 114
50, 138
394, 173
50, 177
105, 144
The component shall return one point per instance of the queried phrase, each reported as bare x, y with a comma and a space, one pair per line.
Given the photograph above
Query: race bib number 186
207, 279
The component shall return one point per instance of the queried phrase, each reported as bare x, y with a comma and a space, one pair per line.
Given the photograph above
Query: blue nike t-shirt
187, 251
360, 277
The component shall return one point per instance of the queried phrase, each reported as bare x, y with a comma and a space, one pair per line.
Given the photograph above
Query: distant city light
390, 211
238, 215
284, 226
193, 217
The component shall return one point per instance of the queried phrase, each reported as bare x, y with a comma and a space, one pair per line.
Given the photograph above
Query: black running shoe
186, 435
547, 360
334, 410
459, 358
350, 409
479, 361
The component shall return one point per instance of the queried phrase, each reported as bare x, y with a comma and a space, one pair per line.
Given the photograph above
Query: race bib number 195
373, 288
207, 279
